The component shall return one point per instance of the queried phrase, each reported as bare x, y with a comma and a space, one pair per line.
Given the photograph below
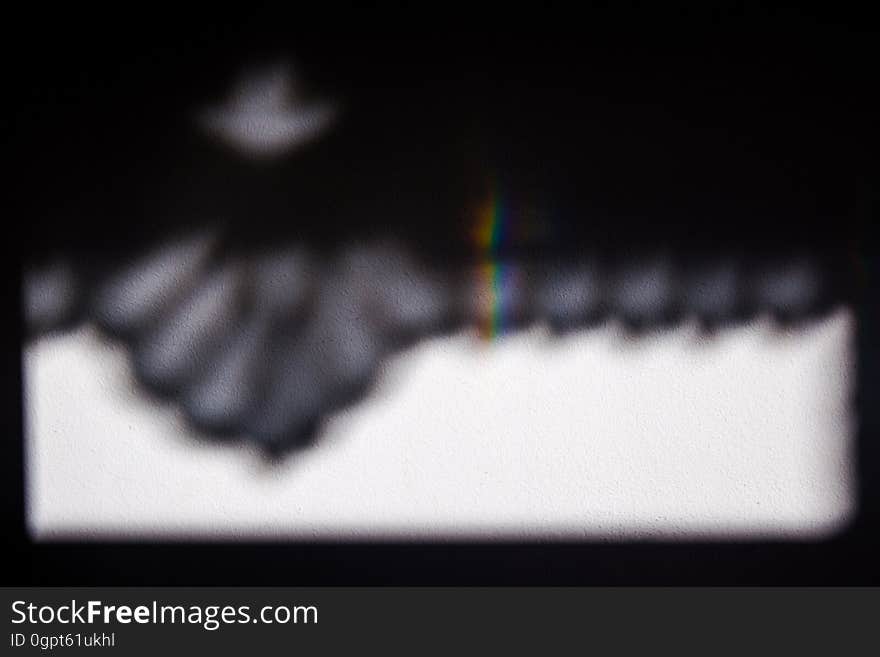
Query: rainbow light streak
493, 276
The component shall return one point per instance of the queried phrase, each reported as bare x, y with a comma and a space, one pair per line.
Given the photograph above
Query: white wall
745, 435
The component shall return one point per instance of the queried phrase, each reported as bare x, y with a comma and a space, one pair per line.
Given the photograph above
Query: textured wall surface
747, 434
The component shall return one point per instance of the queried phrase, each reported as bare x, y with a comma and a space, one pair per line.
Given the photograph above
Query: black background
808, 74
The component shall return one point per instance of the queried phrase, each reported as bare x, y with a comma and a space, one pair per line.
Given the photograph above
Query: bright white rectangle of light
593, 436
